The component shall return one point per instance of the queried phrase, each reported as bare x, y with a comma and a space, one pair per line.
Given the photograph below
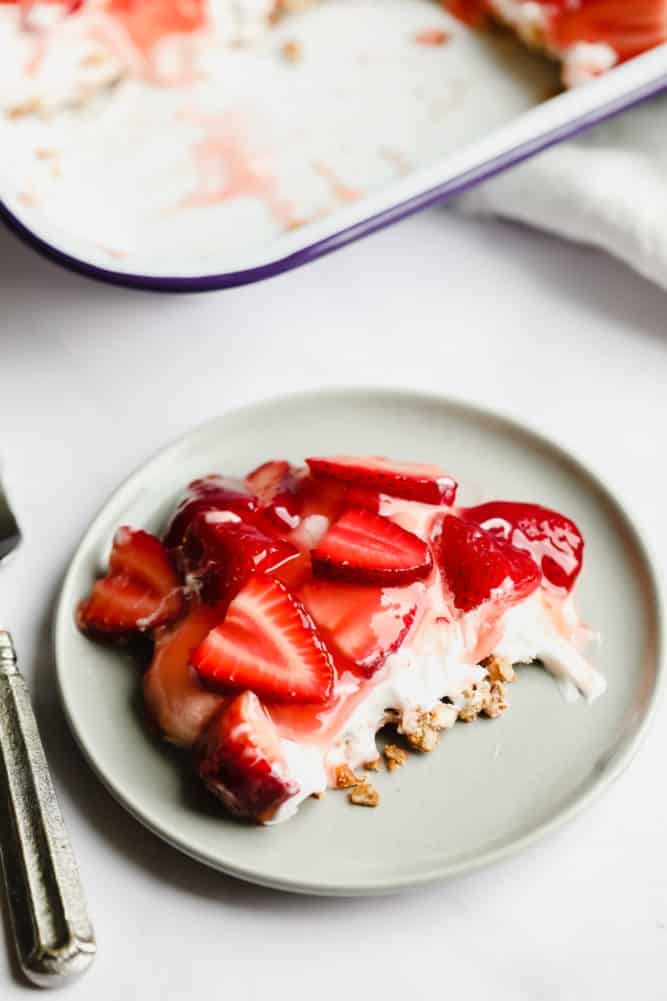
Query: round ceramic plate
487, 789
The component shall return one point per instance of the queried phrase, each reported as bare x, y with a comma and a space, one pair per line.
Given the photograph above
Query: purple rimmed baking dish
409, 126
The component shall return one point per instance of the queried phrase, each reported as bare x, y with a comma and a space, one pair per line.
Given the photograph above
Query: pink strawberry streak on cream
133, 38
228, 168
341, 191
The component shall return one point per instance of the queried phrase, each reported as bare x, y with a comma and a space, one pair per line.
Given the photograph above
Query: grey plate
489, 788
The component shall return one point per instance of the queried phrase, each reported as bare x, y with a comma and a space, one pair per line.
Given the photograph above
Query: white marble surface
93, 379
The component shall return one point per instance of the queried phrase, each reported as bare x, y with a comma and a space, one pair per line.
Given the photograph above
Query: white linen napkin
607, 188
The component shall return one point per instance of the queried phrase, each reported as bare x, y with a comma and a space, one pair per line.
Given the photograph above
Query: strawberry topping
241, 760
277, 486
210, 493
477, 565
267, 643
366, 548
141, 590
628, 28
554, 541
221, 552
361, 625
177, 701
412, 480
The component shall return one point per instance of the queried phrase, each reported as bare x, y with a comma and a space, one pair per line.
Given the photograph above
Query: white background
93, 379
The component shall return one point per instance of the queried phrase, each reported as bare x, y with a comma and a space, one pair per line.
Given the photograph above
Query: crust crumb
499, 669
395, 756
364, 794
421, 729
372, 766
485, 697
32, 106
292, 52
318, 795
496, 704
443, 716
345, 777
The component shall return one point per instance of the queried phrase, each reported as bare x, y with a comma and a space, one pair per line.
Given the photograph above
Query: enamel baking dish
265, 163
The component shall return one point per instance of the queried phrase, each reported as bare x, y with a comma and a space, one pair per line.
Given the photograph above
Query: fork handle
53, 935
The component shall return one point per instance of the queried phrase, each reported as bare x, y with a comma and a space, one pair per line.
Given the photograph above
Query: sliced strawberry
210, 493
241, 760
366, 548
148, 22
628, 28
325, 498
413, 480
554, 541
269, 644
221, 555
141, 590
477, 566
277, 486
363, 625
289, 493
365, 497
173, 694
471, 12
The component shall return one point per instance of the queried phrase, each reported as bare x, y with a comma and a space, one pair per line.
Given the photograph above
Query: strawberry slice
363, 625
554, 541
363, 497
240, 759
221, 553
277, 486
269, 644
412, 480
628, 28
471, 12
174, 696
366, 548
210, 493
477, 566
141, 590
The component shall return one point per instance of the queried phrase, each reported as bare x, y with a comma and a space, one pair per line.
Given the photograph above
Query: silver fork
52, 932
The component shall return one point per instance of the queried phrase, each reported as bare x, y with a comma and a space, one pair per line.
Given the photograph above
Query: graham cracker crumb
372, 766
496, 704
443, 716
396, 756
292, 51
345, 777
318, 795
499, 669
31, 106
364, 794
96, 58
420, 731
485, 697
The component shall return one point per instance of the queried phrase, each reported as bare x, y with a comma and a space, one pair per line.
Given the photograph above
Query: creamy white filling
434, 663
585, 60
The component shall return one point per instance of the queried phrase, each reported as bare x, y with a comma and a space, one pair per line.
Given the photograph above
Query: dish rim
377, 886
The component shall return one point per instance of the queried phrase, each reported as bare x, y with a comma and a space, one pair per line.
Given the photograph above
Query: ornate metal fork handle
53, 933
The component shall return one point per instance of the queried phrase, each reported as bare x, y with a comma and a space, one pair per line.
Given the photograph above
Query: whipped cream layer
439, 659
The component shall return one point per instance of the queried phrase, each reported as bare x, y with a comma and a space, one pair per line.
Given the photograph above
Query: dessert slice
587, 36
299, 611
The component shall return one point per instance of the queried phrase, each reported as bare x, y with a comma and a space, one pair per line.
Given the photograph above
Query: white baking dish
366, 128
